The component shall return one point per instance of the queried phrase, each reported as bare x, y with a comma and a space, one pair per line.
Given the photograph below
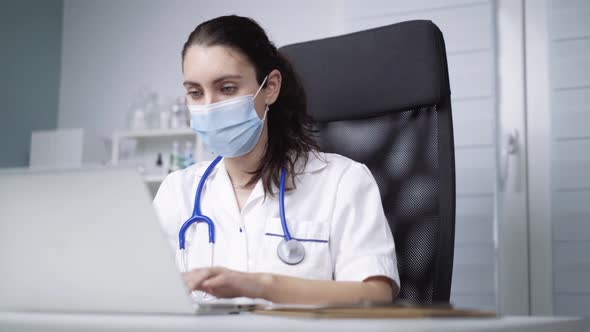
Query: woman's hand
225, 283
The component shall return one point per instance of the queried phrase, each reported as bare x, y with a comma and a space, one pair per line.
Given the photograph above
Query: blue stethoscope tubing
290, 251
197, 216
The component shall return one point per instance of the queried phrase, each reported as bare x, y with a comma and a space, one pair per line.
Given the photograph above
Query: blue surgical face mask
229, 128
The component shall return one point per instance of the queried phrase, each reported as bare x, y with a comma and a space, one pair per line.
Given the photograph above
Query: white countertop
252, 322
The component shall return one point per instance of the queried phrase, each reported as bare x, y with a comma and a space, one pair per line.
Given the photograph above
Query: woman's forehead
204, 64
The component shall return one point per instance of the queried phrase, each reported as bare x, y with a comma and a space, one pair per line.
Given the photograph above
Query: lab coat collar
316, 162
201, 167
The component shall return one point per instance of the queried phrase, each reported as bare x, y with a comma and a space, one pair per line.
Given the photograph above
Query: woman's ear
273, 87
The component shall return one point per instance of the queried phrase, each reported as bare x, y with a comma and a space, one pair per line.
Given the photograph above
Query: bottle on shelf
188, 158
175, 157
151, 109
185, 114
178, 117
160, 164
164, 119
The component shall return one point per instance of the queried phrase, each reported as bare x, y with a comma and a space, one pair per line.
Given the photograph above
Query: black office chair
382, 97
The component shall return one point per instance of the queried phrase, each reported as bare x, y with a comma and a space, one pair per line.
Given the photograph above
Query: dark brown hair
290, 127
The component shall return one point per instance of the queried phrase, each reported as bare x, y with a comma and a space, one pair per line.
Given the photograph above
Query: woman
247, 106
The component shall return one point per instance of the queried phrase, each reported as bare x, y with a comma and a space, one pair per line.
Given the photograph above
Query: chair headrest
372, 72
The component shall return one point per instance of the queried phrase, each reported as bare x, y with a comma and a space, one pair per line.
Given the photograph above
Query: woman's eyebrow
188, 83
226, 77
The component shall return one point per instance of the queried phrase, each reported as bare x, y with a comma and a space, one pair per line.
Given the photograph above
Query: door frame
511, 221
538, 96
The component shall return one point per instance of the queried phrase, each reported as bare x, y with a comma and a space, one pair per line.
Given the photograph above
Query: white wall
569, 45
111, 49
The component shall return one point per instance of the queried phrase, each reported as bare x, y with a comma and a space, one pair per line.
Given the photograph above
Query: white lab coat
335, 210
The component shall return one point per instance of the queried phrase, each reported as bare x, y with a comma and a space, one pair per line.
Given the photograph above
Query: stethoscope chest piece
291, 252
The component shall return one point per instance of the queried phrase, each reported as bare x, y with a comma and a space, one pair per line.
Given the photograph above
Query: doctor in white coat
275, 219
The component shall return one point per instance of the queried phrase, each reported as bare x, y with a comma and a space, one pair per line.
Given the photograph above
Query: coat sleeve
362, 245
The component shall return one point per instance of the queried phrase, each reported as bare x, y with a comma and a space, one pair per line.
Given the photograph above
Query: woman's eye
194, 94
229, 89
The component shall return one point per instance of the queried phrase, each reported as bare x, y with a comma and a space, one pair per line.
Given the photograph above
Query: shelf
156, 133
145, 142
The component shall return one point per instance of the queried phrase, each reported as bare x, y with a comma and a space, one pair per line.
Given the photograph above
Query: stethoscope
289, 250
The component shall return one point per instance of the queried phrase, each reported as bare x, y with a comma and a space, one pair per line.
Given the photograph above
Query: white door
547, 98
558, 121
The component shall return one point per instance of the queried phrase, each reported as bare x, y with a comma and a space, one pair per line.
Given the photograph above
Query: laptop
87, 241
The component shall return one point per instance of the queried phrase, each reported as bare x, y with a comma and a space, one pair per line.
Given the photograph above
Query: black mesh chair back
382, 98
